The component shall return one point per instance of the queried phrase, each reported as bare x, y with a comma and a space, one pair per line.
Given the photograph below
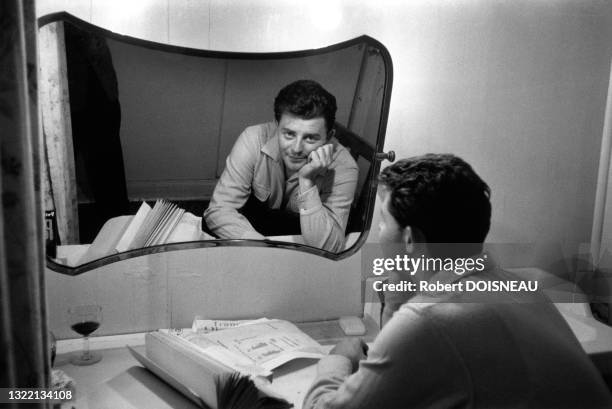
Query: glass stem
86, 347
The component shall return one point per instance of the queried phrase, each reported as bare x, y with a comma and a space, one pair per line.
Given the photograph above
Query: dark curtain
23, 335
96, 119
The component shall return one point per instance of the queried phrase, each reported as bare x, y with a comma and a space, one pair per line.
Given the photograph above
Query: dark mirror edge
190, 245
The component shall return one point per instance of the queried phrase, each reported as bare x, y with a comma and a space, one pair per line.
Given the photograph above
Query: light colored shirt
446, 352
255, 166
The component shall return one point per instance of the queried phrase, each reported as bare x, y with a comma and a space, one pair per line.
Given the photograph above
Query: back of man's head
306, 99
441, 197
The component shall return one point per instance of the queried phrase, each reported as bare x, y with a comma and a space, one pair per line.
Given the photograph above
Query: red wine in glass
85, 319
85, 328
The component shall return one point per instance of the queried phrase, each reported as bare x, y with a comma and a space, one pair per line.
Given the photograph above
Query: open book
229, 368
163, 223
150, 227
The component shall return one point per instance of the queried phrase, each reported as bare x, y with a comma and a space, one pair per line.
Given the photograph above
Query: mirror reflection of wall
150, 121
214, 100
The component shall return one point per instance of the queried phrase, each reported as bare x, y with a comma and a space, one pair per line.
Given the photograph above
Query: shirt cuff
309, 201
335, 364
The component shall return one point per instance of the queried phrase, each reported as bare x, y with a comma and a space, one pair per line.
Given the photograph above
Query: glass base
85, 359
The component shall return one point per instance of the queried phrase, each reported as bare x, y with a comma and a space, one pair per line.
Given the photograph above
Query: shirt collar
271, 147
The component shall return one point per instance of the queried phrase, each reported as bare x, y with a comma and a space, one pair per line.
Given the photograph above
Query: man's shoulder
342, 157
447, 307
483, 299
258, 134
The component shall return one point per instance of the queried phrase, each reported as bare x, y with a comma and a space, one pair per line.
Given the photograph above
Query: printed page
199, 343
204, 326
267, 345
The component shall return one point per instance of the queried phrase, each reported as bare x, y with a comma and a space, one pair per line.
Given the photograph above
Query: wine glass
85, 319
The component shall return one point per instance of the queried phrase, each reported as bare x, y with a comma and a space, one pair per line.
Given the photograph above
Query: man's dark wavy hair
306, 99
441, 196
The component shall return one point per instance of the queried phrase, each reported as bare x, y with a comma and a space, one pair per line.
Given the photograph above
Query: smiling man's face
297, 138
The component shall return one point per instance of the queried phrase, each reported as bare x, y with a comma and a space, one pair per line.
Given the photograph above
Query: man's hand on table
352, 348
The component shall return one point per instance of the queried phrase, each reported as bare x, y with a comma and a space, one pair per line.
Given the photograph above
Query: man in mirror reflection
290, 176
442, 349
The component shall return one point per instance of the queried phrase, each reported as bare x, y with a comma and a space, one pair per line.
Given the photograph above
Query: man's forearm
332, 370
321, 227
228, 223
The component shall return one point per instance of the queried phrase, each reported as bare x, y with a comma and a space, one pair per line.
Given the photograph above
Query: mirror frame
375, 161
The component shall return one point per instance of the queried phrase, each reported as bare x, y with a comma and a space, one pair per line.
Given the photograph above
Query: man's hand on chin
318, 162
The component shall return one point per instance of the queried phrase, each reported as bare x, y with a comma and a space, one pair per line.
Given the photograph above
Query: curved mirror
137, 138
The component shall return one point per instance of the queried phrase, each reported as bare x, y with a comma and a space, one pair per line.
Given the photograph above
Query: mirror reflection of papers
208, 363
161, 224
164, 223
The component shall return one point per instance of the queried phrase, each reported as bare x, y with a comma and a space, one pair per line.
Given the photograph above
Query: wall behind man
516, 88
181, 114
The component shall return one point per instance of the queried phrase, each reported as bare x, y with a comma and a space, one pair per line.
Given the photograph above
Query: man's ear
408, 239
331, 133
